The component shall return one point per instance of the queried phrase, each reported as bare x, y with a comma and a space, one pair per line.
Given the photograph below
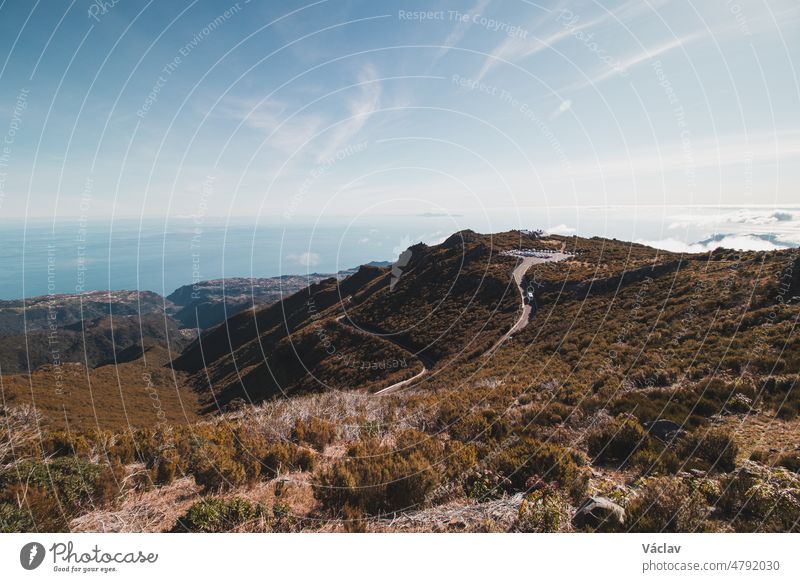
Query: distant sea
72, 256
69, 255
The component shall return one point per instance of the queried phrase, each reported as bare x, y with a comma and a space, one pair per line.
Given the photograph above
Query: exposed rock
599, 514
664, 430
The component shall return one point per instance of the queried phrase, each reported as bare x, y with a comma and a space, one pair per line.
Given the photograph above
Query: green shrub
527, 457
69, 479
543, 511
714, 448
618, 440
314, 431
666, 504
14, 519
51, 493
40, 510
485, 485
378, 479
215, 515
652, 462
758, 498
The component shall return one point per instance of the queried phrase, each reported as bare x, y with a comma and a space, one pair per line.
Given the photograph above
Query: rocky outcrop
599, 514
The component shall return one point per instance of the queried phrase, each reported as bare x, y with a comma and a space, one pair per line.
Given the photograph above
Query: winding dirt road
427, 363
518, 275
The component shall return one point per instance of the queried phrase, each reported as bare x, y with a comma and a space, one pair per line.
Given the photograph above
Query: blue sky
487, 112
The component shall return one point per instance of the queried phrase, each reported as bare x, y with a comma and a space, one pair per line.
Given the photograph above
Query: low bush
759, 498
314, 431
710, 449
51, 493
667, 505
459, 460
215, 469
286, 457
60, 444
71, 480
485, 485
470, 427
216, 515
376, 479
653, 462
542, 511
618, 439
789, 461
14, 519
528, 457
552, 414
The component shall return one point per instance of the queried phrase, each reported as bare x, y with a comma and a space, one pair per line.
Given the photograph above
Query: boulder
599, 514
664, 430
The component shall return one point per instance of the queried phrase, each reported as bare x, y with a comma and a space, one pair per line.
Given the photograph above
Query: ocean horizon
72, 255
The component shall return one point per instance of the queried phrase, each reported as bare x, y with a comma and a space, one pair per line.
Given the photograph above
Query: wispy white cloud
634, 59
570, 24
563, 108
359, 108
285, 132
513, 49
305, 259
289, 132
461, 28
737, 242
562, 229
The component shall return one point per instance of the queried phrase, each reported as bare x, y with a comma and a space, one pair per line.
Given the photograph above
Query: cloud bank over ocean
743, 229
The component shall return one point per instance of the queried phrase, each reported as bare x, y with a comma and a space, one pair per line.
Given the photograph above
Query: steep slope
295, 345
665, 383
368, 331
450, 300
136, 394
630, 329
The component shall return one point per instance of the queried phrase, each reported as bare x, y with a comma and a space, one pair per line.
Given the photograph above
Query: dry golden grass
151, 511
763, 432
109, 397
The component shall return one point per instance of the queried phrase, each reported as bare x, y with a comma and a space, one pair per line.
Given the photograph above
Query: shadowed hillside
368, 330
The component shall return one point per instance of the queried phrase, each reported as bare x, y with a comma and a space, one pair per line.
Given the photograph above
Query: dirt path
427, 363
519, 275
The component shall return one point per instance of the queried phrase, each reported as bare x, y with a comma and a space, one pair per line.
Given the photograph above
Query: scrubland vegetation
516, 440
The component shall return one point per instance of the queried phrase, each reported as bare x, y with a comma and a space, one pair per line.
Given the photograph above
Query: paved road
519, 274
